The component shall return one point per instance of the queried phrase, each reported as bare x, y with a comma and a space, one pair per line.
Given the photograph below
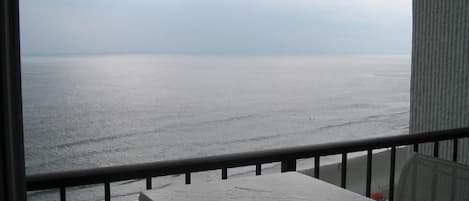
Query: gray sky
265, 27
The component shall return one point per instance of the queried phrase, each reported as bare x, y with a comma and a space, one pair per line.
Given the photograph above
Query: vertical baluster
436, 149
224, 173
416, 147
391, 173
288, 165
188, 178
107, 191
343, 180
369, 158
62, 194
316, 166
149, 184
258, 169
455, 150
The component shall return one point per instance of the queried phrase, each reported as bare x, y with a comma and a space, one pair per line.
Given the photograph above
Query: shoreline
356, 171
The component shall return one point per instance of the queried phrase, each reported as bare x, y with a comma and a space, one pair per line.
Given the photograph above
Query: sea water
90, 111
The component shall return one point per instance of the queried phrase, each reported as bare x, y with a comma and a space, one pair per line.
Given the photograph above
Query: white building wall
440, 69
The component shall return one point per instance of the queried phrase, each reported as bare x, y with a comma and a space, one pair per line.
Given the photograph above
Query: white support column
440, 70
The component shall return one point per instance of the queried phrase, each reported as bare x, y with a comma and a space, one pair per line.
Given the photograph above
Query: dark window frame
12, 162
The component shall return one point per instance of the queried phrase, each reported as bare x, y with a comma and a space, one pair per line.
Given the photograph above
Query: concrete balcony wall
440, 70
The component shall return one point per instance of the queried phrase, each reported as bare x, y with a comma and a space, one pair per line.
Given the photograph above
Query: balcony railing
287, 157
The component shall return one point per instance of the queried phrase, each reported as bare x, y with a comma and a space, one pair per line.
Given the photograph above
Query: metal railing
287, 157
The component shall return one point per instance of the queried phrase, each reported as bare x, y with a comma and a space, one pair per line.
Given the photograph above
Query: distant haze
246, 27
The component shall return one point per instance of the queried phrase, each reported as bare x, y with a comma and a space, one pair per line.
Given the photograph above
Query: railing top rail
162, 168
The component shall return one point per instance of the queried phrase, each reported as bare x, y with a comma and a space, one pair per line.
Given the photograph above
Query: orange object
378, 196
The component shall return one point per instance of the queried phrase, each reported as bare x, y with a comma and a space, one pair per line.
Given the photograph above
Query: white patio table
291, 186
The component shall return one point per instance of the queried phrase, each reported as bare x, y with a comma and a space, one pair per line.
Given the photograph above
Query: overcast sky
246, 27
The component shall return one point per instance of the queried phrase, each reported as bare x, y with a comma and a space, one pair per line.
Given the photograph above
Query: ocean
90, 111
